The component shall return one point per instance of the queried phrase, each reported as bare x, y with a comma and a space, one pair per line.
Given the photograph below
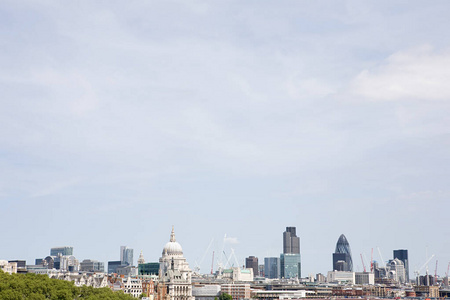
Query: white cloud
231, 240
418, 73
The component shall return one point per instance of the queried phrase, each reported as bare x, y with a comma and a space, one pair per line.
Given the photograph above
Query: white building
238, 274
132, 286
8, 267
206, 291
396, 270
175, 274
341, 277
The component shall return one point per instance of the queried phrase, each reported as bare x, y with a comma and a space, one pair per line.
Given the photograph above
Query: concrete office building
113, 265
364, 278
341, 277
206, 291
396, 270
402, 254
291, 243
88, 265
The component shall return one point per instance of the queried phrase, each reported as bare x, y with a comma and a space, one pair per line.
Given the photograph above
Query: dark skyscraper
342, 256
251, 262
291, 243
402, 255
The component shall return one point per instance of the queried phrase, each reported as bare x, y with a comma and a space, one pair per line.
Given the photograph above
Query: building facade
126, 255
88, 265
342, 256
291, 242
290, 259
402, 254
8, 267
65, 251
238, 291
251, 262
396, 270
290, 265
272, 267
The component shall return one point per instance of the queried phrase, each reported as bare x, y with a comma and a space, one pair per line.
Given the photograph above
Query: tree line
40, 287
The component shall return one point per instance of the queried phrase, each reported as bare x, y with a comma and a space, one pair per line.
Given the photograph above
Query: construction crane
212, 264
381, 256
435, 272
197, 267
362, 260
417, 272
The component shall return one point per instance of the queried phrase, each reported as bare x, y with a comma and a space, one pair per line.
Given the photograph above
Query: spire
172, 235
141, 259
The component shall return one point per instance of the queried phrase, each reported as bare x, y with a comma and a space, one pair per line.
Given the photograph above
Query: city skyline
233, 120
341, 244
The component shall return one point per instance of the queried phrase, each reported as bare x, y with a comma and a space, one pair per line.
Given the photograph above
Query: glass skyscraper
272, 267
342, 256
126, 255
61, 250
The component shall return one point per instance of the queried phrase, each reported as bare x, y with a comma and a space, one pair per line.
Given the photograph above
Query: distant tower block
290, 259
402, 254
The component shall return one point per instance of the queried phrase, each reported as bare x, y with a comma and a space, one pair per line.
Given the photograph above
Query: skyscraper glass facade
290, 265
342, 256
61, 250
126, 255
272, 267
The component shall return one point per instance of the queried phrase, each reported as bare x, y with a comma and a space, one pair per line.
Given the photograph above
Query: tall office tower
126, 255
402, 254
290, 260
342, 256
61, 250
252, 263
291, 243
272, 267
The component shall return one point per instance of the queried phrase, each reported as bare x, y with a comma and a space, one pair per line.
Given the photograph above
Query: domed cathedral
174, 272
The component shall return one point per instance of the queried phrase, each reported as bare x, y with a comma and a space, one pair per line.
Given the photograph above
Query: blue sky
225, 117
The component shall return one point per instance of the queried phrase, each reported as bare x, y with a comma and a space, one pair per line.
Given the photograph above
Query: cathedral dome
172, 247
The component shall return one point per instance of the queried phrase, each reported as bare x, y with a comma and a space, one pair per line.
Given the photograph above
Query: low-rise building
238, 274
8, 267
341, 277
206, 291
132, 286
364, 278
237, 291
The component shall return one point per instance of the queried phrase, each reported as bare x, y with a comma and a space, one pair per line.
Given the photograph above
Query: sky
229, 120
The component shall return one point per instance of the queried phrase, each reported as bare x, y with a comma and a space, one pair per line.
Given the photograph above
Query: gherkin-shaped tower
342, 256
